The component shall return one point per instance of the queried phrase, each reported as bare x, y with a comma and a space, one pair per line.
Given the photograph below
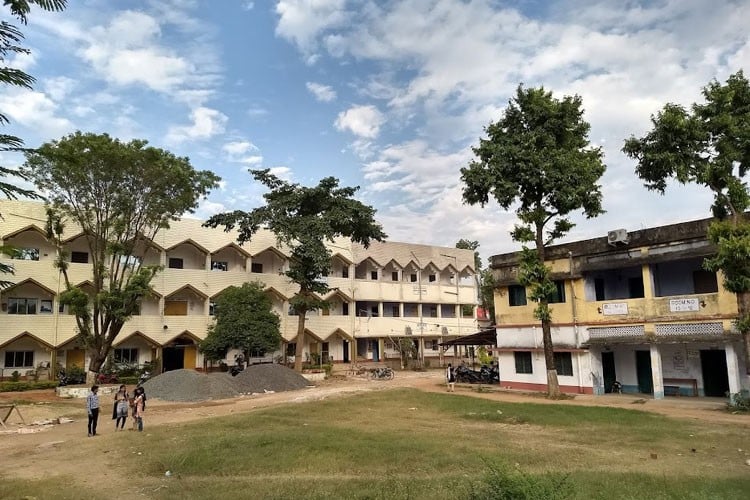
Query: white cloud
238, 147
301, 21
22, 61
284, 173
248, 5
207, 123
323, 93
362, 121
58, 88
36, 111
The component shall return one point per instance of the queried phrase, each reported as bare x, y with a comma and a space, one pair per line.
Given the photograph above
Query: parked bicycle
384, 373
357, 371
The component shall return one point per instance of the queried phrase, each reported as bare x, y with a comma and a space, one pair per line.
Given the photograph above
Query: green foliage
533, 274
16, 386
485, 357
739, 401
304, 219
120, 195
244, 320
707, 145
501, 482
537, 156
15, 376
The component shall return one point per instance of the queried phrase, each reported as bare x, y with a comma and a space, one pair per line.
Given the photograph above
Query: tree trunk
299, 350
743, 305
553, 386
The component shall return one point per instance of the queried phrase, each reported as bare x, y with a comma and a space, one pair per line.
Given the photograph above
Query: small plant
501, 482
15, 376
739, 401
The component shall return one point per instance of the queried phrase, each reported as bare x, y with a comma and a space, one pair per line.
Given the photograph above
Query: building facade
378, 295
634, 308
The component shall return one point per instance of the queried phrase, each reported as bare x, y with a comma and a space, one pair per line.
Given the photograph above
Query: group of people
124, 404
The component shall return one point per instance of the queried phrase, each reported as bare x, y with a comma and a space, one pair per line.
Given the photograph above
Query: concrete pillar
733, 369
207, 265
597, 371
656, 373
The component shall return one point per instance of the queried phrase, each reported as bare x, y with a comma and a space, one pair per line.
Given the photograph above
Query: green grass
405, 444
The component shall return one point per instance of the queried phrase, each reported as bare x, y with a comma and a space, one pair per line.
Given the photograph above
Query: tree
709, 146
303, 219
120, 195
10, 40
244, 320
538, 156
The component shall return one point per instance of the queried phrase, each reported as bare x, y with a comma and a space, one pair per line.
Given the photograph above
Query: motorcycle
385, 373
468, 376
489, 374
107, 378
239, 365
144, 377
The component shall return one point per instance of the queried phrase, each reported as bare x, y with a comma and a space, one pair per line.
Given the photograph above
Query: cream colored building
379, 294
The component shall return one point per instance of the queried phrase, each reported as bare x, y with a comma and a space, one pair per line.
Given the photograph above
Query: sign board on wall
683, 305
614, 308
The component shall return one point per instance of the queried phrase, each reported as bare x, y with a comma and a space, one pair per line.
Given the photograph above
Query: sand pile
189, 385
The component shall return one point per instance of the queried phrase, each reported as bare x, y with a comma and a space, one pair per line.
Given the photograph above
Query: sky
386, 95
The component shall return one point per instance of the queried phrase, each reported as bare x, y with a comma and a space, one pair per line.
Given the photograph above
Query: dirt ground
32, 451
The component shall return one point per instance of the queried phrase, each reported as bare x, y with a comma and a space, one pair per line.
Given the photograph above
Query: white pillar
733, 370
597, 371
656, 374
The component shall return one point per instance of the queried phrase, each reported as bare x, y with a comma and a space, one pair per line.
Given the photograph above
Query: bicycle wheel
389, 375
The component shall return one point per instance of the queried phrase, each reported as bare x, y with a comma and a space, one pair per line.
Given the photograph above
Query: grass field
406, 444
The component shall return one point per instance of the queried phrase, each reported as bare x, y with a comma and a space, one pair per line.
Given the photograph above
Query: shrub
26, 386
500, 482
15, 376
739, 401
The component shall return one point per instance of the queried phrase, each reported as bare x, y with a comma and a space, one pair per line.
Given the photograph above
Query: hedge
26, 386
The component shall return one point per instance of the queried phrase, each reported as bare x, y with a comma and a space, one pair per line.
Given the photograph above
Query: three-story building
378, 295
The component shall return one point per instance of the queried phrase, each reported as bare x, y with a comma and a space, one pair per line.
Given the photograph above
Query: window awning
484, 337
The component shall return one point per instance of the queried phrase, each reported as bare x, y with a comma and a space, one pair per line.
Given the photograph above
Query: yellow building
379, 294
637, 308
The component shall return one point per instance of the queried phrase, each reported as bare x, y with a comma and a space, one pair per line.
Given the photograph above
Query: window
434, 345
564, 363
599, 288
394, 276
175, 263
467, 311
212, 308
256, 267
45, 306
516, 295
130, 260
373, 275
523, 362
635, 288
431, 278
432, 311
218, 265
395, 311
19, 359
704, 282
345, 272
25, 254
126, 355
345, 309
374, 311
413, 278
559, 295
21, 306
79, 257
291, 349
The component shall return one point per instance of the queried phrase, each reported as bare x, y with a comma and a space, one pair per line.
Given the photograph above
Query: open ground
405, 438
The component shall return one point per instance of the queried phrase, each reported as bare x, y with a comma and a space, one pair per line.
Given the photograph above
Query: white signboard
681, 305
615, 308
419, 289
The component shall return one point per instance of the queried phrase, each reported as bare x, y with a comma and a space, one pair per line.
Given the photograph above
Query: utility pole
421, 318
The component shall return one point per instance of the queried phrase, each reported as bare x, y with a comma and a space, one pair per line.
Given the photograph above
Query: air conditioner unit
617, 237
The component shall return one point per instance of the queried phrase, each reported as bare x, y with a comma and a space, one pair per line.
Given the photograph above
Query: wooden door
188, 360
75, 357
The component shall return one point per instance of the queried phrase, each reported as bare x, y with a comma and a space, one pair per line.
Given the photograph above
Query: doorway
608, 369
643, 372
714, 370
174, 358
345, 346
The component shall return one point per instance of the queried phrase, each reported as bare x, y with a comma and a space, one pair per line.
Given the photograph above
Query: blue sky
387, 95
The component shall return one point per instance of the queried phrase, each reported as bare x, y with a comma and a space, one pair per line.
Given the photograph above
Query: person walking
92, 407
450, 378
120, 413
138, 407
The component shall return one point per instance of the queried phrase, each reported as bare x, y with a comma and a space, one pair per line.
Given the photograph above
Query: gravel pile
268, 377
189, 385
